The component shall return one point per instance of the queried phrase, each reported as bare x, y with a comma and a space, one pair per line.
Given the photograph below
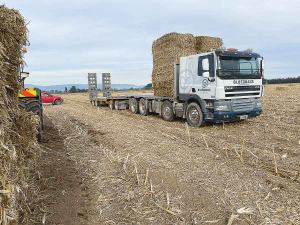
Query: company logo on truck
204, 83
186, 81
243, 82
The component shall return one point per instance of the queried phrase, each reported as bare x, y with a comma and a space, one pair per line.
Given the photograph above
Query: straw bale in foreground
18, 146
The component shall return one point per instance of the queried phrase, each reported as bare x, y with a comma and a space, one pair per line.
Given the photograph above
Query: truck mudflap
220, 117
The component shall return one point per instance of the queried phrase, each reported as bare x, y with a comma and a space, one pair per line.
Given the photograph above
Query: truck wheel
111, 104
34, 105
117, 105
167, 111
194, 115
143, 107
57, 102
134, 105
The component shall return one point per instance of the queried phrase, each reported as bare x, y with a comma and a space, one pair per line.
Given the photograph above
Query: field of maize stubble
113, 167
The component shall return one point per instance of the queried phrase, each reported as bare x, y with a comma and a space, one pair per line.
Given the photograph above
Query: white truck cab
226, 83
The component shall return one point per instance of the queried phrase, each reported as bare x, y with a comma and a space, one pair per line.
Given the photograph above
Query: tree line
73, 89
282, 80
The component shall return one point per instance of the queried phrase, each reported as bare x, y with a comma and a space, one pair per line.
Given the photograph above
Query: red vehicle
48, 98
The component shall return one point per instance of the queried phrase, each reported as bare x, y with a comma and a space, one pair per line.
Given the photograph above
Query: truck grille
242, 105
239, 91
241, 88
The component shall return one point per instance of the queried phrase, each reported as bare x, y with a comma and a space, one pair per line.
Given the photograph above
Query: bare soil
113, 167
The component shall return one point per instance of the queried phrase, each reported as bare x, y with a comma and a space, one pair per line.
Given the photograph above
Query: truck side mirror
205, 64
205, 74
24, 74
262, 67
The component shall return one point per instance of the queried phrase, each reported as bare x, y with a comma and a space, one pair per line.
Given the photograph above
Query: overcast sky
70, 38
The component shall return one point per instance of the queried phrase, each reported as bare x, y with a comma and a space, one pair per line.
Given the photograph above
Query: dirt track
113, 167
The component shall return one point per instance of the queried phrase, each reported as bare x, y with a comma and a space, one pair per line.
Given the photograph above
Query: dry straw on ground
168, 50
280, 88
17, 129
198, 177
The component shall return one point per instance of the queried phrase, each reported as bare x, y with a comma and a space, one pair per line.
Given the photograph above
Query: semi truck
218, 86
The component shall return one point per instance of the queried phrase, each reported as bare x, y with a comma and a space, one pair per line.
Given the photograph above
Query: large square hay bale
166, 51
206, 43
13, 35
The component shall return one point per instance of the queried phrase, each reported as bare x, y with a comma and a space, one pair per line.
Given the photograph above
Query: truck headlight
221, 107
258, 104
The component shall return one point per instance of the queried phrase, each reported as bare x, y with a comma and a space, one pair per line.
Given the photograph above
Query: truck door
205, 87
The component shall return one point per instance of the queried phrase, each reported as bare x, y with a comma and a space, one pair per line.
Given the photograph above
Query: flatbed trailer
150, 102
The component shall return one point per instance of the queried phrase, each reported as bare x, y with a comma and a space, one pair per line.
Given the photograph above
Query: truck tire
111, 104
143, 107
194, 115
57, 102
117, 105
134, 105
167, 112
34, 105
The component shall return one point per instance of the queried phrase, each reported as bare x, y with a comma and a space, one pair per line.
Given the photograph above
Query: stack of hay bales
168, 50
17, 128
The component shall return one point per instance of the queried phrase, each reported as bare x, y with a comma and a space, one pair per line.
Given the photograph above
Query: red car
48, 98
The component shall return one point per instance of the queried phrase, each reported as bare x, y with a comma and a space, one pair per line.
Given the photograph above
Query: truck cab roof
230, 53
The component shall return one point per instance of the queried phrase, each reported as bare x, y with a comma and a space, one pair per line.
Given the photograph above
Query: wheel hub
167, 111
142, 108
194, 115
133, 105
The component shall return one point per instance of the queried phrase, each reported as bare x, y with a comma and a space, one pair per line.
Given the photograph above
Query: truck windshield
238, 67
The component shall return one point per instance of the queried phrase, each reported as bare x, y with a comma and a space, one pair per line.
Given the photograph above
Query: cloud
70, 38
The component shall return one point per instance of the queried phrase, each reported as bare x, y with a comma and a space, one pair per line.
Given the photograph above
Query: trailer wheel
134, 105
117, 105
143, 107
194, 115
34, 105
167, 111
111, 104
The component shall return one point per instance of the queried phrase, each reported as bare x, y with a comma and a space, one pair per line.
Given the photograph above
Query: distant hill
81, 86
